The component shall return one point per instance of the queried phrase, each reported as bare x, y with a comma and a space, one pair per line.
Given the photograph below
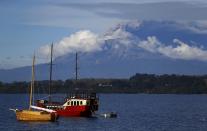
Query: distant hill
139, 83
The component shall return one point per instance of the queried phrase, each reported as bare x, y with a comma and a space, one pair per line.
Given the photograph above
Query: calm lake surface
136, 112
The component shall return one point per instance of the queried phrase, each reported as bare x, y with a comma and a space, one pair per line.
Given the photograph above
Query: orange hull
30, 115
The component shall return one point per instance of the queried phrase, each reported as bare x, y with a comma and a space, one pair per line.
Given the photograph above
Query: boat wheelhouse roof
82, 96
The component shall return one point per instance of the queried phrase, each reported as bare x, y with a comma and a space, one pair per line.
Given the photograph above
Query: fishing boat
74, 104
35, 113
77, 105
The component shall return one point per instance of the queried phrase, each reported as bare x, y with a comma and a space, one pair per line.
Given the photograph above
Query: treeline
139, 83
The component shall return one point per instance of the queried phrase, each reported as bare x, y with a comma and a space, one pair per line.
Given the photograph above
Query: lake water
136, 112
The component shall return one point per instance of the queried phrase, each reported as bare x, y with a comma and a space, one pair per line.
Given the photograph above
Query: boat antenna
32, 83
51, 63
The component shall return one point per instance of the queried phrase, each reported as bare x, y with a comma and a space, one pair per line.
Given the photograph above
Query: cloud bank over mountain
86, 41
181, 51
122, 37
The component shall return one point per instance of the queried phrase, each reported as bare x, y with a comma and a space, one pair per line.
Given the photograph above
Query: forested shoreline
139, 83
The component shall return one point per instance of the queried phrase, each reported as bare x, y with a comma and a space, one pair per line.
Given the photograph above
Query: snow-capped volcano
158, 47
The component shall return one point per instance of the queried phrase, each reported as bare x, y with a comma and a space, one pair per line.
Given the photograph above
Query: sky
27, 26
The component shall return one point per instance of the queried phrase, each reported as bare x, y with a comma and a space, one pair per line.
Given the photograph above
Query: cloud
103, 14
154, 10
119, 35
180, 51
51, 15
86, 41
151, 44
199, 27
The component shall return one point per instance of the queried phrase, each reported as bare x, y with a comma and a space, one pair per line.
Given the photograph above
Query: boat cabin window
71, 103
74, 103
68, 102
81, 103
77, 103
87, 102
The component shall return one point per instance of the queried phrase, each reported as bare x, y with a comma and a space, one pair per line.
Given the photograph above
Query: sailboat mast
50, 82
32, 83
76, 66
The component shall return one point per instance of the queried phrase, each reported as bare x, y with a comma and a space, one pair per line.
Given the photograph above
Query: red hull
75, 111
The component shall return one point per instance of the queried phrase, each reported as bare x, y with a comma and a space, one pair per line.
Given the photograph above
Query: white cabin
77, 102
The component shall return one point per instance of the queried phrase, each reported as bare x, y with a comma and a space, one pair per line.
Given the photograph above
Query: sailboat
35, 113
76, 105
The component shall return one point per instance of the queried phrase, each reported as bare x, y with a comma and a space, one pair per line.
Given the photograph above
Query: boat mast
76, 72
32, 83
50, 82
76, 66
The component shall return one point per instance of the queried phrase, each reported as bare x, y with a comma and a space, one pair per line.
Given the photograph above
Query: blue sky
28, 25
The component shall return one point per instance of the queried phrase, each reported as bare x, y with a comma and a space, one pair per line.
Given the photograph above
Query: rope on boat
51, 96
43, 109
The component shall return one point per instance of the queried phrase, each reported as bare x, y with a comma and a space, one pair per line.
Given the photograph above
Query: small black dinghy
109, 115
